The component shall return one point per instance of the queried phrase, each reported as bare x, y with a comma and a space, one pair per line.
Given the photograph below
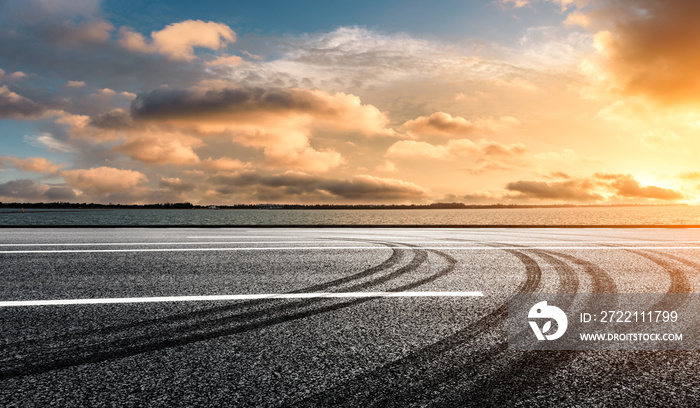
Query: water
652, 215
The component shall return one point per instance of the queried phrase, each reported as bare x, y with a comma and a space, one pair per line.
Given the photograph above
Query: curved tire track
64, 357
387, 385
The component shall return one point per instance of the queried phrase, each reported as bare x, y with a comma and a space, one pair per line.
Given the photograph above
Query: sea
548, 216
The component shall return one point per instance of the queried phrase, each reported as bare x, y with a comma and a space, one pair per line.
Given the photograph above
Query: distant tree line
95, 206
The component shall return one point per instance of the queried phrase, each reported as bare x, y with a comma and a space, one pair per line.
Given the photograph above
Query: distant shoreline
188, 206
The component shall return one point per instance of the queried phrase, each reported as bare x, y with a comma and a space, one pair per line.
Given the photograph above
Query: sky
350, 102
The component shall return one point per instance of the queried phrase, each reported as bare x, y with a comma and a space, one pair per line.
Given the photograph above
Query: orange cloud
280, 121
570, 190
488, 155
626, 186
33, 164
647, 47
294, 151
225, 59
103, 180
408, 149
224, 164
599, 187
75, 84
177, 41
160, 148
444, 124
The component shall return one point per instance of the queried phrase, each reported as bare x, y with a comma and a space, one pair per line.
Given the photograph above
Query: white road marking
56, 302
349, 237
167, 243
470, 248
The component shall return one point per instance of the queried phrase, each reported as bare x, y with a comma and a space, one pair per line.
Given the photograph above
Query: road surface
185, 349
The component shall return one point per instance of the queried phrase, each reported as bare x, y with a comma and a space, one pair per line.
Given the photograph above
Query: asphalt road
386, 351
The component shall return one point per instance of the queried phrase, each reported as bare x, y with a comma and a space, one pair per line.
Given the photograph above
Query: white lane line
326, 248
56, 302
166, 243
316, 236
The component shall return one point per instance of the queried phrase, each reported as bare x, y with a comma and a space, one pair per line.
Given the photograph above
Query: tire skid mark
679, 280
389, 381
678, 289
419, 258
511, 366
529, 368
651, 359
602, 282
396, 257
547, 363
521, 368
126, 347
156, 328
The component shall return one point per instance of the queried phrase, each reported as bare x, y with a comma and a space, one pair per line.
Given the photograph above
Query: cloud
626, 186
464, 147
46, 140
60, 193
444, 124
570, 190
365, 187
690, 175
487, 155
647, 47
280, 121
65, 41
115, 119
558, 175
228, 60
75, 84
160, 148
33, 164
224, 164
33, 12
231, 107
13, 76
177, 41
103, 180
600, 187
453, 149
175, 184
359, 58
300, 186
59, 22
88, 32
22, 190
516, 3
411, 149
13, 105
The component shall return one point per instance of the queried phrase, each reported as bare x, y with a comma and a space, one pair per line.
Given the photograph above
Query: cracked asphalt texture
326, 352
